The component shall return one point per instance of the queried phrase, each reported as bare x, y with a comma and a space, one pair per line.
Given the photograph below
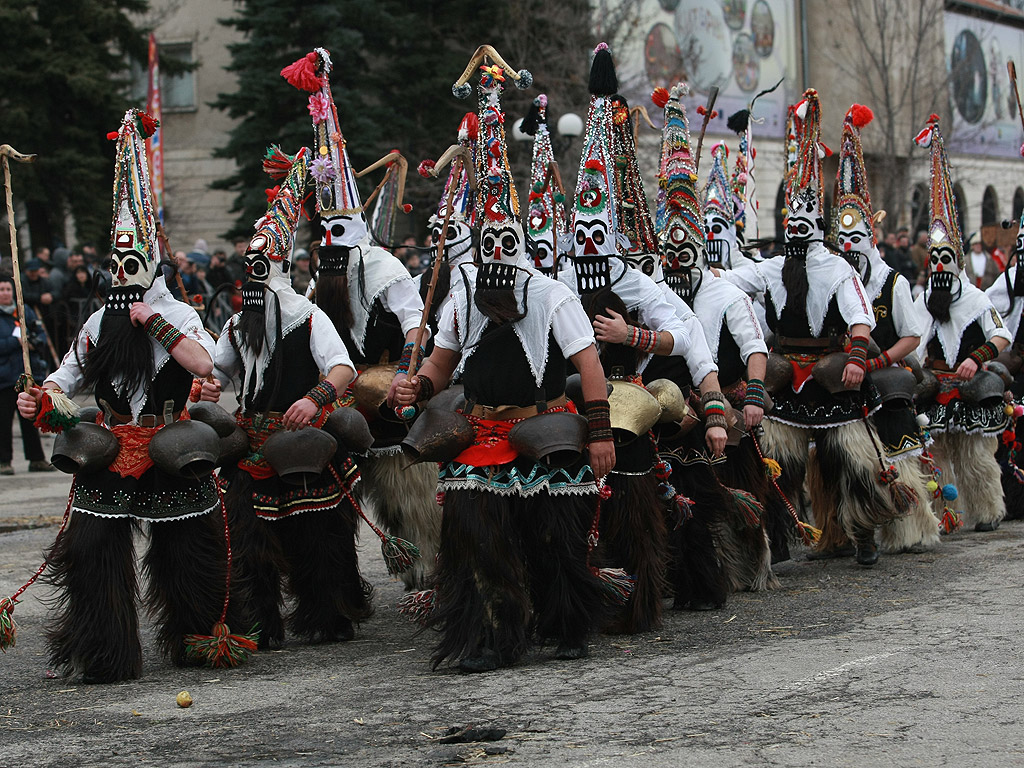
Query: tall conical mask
135, 254
458, 244
342, 222
545, 213
267, 257
852, 214
502, 240
945, 243
680, 217
594, 227
631, 210
805, 202
719, 210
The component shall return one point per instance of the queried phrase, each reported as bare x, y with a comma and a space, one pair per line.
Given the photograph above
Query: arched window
1018, 204
919, 210
961, 206
989, 206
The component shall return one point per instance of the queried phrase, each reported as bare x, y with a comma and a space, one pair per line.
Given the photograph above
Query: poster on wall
740, 46
985, 117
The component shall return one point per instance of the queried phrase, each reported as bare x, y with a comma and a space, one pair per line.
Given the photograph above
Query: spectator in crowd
187, 270
981, 269
59, 270
43, 254
236, 262
38, 290
218, 272
11, 367
300, 271
900, 258
919, 253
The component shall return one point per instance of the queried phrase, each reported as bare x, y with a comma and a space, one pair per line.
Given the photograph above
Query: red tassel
147, 125
471, 125
828, 152
933, 118
407, 207
594, 165
860, 115
660, 97
302, 74
112, 136
276, 163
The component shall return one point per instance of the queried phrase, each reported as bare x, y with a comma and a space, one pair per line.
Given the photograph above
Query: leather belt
511, 412
148, 420
939, 365
832, 343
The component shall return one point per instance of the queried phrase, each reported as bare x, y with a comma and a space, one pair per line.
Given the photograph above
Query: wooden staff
712, 98
8, 152
418, 344
1013, 81
46, 336
177, 273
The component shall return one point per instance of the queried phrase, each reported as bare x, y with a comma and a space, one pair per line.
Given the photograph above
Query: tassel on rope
808, 534
618, 585
904, 498
950, 520
8, 628
748, 504
57, 411
399, 555
418, 606
221, 648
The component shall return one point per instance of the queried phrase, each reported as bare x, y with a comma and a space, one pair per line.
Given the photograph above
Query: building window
177, 92
989, 207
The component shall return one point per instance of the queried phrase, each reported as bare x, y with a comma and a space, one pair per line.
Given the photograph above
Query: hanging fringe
748, 504
617, 584
808, 534
399, 555
418, 606
277, 163
950, 520
772, 468
8, 629
221, 648
904, 498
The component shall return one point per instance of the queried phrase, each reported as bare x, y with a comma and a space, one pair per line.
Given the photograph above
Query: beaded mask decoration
945, 243
545, 213
852, 216
719, 210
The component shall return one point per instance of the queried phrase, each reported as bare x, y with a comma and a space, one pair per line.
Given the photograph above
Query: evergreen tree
394, 65
65, 68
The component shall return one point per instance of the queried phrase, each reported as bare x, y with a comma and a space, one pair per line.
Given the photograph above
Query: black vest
884, 334
498, 373
384, 338
172, 382
730, 364
793, 320
973, 338
291, 373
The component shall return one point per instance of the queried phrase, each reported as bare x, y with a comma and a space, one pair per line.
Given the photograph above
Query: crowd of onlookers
981, 266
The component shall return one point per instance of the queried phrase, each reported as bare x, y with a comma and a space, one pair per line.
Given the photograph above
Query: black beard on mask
939, 302
794, 273
332, 260
252, 326
123, 350
499, 305
1018, 280
332, 297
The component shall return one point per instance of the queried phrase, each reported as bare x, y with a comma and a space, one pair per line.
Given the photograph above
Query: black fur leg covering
185, 569
96, 629
849, 478
256, 565
483, 599
789, 446
698, 578
568, 599
633, 537
323, 573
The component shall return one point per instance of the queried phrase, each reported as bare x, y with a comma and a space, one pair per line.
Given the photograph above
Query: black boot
867, 550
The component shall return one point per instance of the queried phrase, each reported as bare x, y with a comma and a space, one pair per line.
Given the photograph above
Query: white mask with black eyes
502, 244
129, 268
347, 230
592, 238
720, 235
258, 266
853, 234
1019, 245
542, 253
458, 240
805, 222
645, 262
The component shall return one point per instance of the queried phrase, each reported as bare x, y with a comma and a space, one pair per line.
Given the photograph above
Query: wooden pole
6, 151
418, 344
712, 98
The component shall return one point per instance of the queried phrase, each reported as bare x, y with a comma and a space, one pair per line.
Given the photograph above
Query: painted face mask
502, 247
721, 237
805, 223
458, 242
853, 236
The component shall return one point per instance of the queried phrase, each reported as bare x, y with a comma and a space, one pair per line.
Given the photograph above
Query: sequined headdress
852, 213
631, 209
945, 242
545, 214
719, 209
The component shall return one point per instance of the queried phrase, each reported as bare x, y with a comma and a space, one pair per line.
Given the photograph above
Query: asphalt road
915, 662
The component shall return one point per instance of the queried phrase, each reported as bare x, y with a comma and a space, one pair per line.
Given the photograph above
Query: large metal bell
557, 439
233, 448
371, 386
186, 449
779, 373
634, 411
438, 435
85, 447
985, 389
212, 414
299, 457
828, 372
895, 386
670, 398
349, 428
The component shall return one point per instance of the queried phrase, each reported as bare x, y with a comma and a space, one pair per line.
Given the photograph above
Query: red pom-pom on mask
302, 74
860, 115
407, 208
660, 97
424, 168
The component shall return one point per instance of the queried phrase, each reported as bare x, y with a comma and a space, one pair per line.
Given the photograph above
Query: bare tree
893, 51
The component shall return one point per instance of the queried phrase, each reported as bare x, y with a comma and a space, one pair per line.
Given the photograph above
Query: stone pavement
918, 661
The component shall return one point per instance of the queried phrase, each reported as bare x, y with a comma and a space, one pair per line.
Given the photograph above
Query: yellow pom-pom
932, 486
771, 466
1008, 409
